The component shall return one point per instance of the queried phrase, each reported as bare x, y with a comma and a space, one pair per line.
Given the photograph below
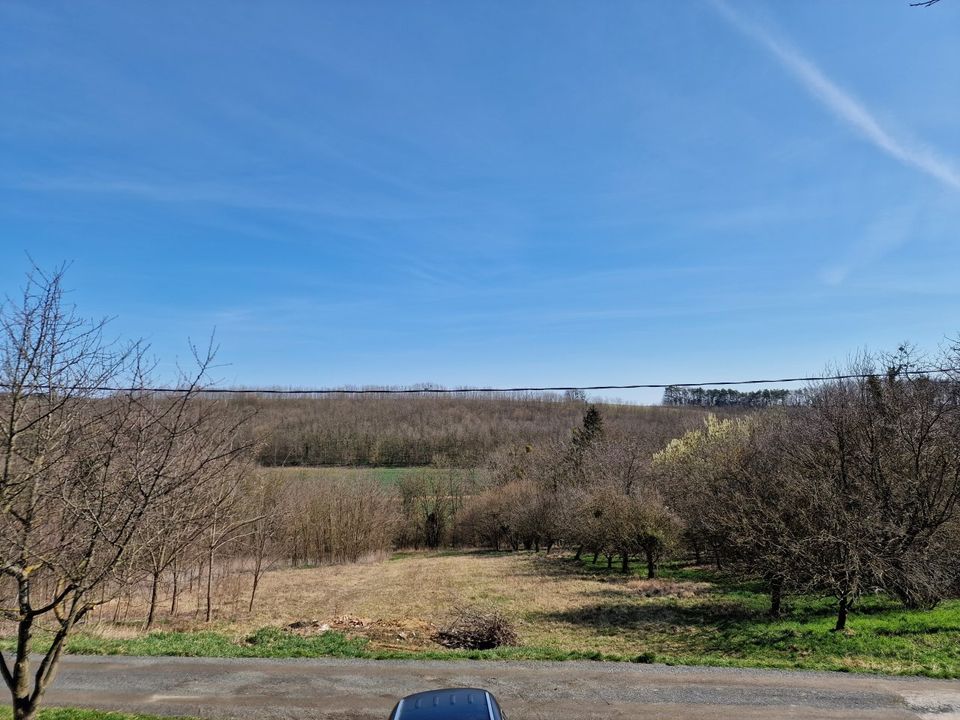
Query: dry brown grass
399, 603
560, 609
668, 588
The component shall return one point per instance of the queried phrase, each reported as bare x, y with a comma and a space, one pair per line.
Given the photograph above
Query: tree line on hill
423, 429
728, 397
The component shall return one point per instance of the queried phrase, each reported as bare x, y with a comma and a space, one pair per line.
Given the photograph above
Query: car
449, 704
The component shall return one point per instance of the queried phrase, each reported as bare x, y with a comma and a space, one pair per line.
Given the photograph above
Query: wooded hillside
446, 430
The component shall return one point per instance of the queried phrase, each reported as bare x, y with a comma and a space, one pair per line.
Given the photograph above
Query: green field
387, 476
882, 635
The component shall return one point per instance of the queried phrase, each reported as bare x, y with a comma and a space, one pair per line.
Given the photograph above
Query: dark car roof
458, 703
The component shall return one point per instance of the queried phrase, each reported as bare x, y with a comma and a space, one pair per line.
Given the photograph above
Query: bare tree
226, 522
83, 470
882, 453
262, 499
174, 528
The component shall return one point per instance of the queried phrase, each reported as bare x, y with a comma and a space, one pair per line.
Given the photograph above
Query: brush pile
472, 628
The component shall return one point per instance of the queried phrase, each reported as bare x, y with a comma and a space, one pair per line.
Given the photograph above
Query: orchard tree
881, 453
88, 476
856, 489
725, 481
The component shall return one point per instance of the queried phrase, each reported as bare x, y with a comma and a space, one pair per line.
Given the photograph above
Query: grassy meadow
387, 476
562, 609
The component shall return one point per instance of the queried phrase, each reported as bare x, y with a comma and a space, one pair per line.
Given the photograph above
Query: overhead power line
492, 390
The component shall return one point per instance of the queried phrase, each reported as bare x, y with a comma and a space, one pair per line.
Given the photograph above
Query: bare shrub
338, 521
474, 628
429, 503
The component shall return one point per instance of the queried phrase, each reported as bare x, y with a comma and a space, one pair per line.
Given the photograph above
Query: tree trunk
609, 562
651, 563
624, 562
253, 592
578, 553
196, 612
47, 670
153, 601
844, 606
696, 552
173, 602
596, 555
776, 598
209, 615
23, 708
256, 580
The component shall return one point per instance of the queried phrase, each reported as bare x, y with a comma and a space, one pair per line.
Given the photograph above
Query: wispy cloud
889, 231
844, 105
282, 198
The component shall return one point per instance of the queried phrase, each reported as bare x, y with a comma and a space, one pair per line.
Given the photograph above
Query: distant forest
444, 430
725, 397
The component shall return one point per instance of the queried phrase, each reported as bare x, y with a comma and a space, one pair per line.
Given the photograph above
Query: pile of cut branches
472, 628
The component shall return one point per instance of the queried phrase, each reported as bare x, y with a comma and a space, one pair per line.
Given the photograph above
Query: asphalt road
353, 689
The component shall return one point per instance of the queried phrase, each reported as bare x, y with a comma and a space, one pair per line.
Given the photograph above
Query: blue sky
490, 192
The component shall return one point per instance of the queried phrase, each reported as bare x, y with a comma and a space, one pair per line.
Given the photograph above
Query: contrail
842, 103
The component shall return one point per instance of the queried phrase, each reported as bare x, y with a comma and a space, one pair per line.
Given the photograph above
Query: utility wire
466, 390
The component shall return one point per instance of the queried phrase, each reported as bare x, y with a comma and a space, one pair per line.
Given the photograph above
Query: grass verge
271, 642
56, 713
